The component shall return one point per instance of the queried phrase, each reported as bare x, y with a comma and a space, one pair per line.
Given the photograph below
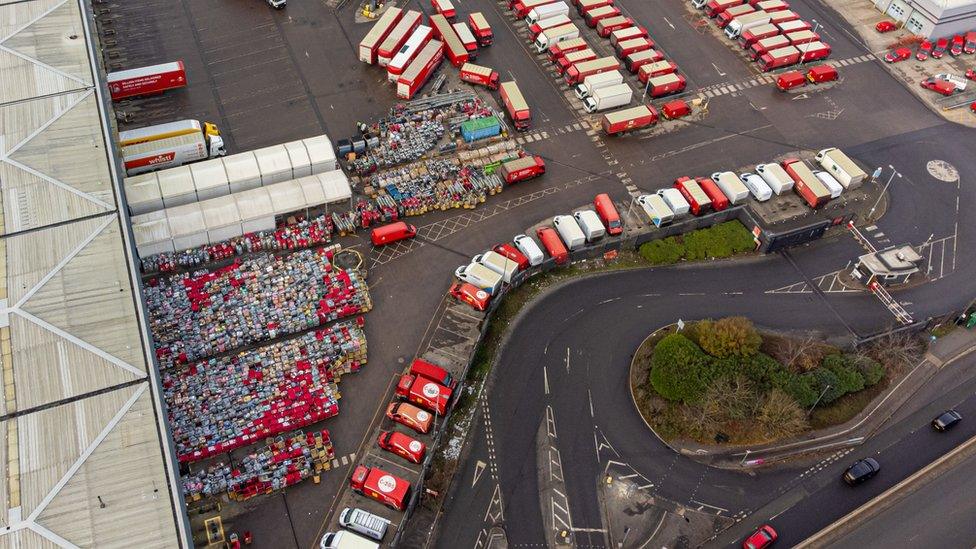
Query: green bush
662, 252
827, 383
803, 388
730, 336
680, 370
737, 236
762, 369
849, 378
872, 371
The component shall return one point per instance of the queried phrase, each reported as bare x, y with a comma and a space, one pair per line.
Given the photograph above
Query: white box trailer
498, 263
745, 22
731, 186
594, 82
657, 209
609, 97
589, 222
674, 199
545, 12
776, 177
569, 231
844, 170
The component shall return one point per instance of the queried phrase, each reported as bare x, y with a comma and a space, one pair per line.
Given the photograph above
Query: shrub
781, 416
731, 336
802, 388
662, 252
872, 371
849, 378
826, 382
680, 371
761, 369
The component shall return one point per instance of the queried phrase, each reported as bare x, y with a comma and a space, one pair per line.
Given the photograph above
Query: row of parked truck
772, 34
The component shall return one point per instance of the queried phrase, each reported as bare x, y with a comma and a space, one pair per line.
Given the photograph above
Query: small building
931, 18
887, 267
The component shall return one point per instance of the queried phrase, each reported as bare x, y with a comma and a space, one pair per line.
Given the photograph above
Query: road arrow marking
479, 468
801, 96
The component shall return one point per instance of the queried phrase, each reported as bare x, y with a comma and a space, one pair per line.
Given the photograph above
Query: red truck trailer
565, 47
515, 104
582, 6
723, 19
715, 7
778, 58
637, 60
381, 486
755, 34
711, 190
445, 8
802, 37
481, 29
627, 33
408, 52
467, 38
420, 69
813, 51
424, 392
765, 45
785, 16
793, 26
810, 189
658, 68
606, 26
579, 71
633, 45
666, 84
150, 80
572, 58
595, 15
697, 199
626, 120
453, 47
398, 37
476, 74
521, 169
371, 42
770, 6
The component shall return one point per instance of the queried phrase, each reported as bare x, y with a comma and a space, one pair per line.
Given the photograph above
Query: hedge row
718, 241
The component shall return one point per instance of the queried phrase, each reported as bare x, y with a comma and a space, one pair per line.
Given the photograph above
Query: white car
529, 249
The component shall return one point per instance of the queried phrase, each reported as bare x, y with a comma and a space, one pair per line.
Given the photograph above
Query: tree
796, 353
895, 351
730, 336
781, 416
680, 371
849, 378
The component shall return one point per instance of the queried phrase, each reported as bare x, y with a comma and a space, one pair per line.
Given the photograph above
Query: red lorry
666, 84
711, 190
610, 24
594, 16
381, 486
565, 62
476, 74
633, 45
813, 51
626, 120
429, 370
627, 33
582, 6
445, 8
802, 37
637, 60
521, 169
515, 104
810, 189
755, 34
579, 71
697, 199
424, 393
481, 29
658, 68
758, 49
715, 7
420, 69
150, 80
566, 47
723, 18
780, 57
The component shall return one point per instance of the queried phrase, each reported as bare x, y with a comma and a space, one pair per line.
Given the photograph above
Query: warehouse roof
82, 461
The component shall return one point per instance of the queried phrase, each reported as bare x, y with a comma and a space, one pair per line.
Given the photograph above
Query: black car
862, 470
947, 420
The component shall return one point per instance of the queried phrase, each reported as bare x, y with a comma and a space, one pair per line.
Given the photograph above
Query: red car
970, 46
957, 44
885, 26
972, 106
897, 55
940, 86
924, 50
971, 74
512, 253
402, 445
762, 538
471, 294
940, 48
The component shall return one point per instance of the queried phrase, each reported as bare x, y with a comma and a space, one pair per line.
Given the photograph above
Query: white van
757, 186
498, 263
776, 177
480, 277
364, 523
346, 540
529, 249
731, 186
657, 209
569, 231
832, 184
590, 224
673, 198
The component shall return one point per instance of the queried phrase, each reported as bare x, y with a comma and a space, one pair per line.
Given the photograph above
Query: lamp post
894, 172
806, 47
824, 392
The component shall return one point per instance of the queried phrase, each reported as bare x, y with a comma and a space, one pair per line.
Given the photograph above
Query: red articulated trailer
755, 34
481, 29
381, 486
371, 42
521, 169
658, 68
579, 71
420, 69
666, 84
151, 80
515, 104
813, 51
718, 198
697, 199
626, 120
476, 74
778, 58
637, 60
810, 189
566, 47
453, 47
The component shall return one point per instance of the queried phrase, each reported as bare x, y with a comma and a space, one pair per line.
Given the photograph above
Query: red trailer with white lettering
426, 393
568, 46
521, 169
476, 74
572, 58
607, 26
420, 69
579, 71
697, 199
398, 37
778, 58
481, 29
515, 104
371, 42
453, 47
151, 80
637, 60
755, 34
813, 51
625, 120
381, 486
665, 84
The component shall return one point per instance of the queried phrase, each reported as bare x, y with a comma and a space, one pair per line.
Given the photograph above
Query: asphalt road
940, 514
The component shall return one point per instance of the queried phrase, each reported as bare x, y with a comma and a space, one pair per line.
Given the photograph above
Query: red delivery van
424, 392
474, 296
608, 214
697, 199
789, 80
511, 252
381, 486
821, 73
553, 244
420, 367
718, 198
391, 233
402, 445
